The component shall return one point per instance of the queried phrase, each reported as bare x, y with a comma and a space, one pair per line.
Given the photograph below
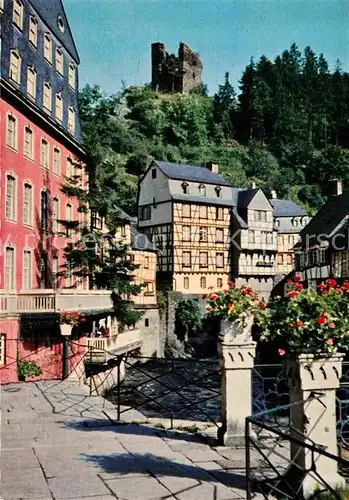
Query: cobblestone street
60, 443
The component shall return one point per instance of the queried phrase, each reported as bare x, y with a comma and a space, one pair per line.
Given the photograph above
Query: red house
40, 145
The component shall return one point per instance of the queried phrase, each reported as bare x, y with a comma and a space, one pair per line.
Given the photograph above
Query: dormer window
218, 192
185, 188
202, 190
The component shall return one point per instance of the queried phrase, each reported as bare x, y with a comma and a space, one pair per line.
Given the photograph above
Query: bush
28, 369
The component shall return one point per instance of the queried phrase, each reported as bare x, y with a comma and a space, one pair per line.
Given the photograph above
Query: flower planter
232, 331
315, 419
66, 329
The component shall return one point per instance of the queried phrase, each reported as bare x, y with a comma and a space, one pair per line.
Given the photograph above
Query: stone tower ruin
171, 73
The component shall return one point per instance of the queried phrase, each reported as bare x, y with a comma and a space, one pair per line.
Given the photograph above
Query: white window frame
48, 48
219, 255
56, 164
69, 172
15, 69
2, 335
55, 214
29, 205
71, 119
219, 235
203, 259
47, 96
72, 75
203, 212
28, 154
186, 262
59, 61
186, 211
31, 84
17, 15
186, 233
27, 283
13, 200
13, 143
186, 282
59, 109
203, 282
12, 285
33, 31
44, 164
69, 218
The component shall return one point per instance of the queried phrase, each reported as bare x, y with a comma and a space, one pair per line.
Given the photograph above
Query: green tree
188, 318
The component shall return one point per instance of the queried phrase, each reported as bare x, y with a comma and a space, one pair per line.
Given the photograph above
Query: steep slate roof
184, 172
49, 11
331, 215
245, 197
204, 200
122, 215
139, 241
286, 208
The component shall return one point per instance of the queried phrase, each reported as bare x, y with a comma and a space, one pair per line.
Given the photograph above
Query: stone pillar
314, 418
236, 363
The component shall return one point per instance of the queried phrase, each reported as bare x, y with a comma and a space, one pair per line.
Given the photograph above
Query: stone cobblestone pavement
59, 443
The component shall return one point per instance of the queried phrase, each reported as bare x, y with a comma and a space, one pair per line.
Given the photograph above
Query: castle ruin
171, 73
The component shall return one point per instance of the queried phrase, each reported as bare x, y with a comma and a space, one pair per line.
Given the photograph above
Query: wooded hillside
287, 128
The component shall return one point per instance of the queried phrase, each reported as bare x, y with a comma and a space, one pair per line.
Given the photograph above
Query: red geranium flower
213, 297
331, 282
262, 304
281, 352
229, 305
331, 325
297, 278
329, 342
289, 281
299, 323
321, 320
294, 293
231, 284
299, 286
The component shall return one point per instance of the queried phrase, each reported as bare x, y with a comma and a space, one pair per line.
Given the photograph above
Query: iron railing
270, 472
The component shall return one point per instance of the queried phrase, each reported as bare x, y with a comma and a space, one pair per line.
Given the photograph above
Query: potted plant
69, 319
309, 322
27, 369
310, 329
237, 309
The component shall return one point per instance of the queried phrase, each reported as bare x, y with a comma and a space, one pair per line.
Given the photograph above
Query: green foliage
28, 369
188, 317
310, 321
287, 129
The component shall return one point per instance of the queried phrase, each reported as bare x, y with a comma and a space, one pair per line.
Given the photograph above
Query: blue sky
114, 36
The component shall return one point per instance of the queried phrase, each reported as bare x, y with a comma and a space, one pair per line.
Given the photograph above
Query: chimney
273, 195
213, 167
253, 185
336, 187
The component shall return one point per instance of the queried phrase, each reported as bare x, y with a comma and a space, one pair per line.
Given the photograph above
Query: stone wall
149, 327
171, 73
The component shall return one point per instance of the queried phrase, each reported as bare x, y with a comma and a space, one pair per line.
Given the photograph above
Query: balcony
50, 301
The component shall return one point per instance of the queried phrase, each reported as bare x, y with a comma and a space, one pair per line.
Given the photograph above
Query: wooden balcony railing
43, 300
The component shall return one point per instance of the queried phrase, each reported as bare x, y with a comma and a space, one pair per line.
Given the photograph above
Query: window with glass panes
15, 66
10, 209
9, 268
71, 119
185, 210
186, 283
203, 234
56, 160
186, 230
47, 99
59, 107
71, 75
28, 143
33, 31
203, 259
11, 133
203, 282
55, 214
17, 15
186, 259
44, 154
27, 269
68, 218
28, 205
2, 339
203, 212
44, 211
70, 168
219, 260
55, 272
48, 48
59, 61
31, 81
219, 235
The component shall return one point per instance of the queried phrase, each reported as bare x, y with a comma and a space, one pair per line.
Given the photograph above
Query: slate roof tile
193, 173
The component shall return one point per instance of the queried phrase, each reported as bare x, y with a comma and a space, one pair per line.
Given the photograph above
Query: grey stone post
236, 363
313, 419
